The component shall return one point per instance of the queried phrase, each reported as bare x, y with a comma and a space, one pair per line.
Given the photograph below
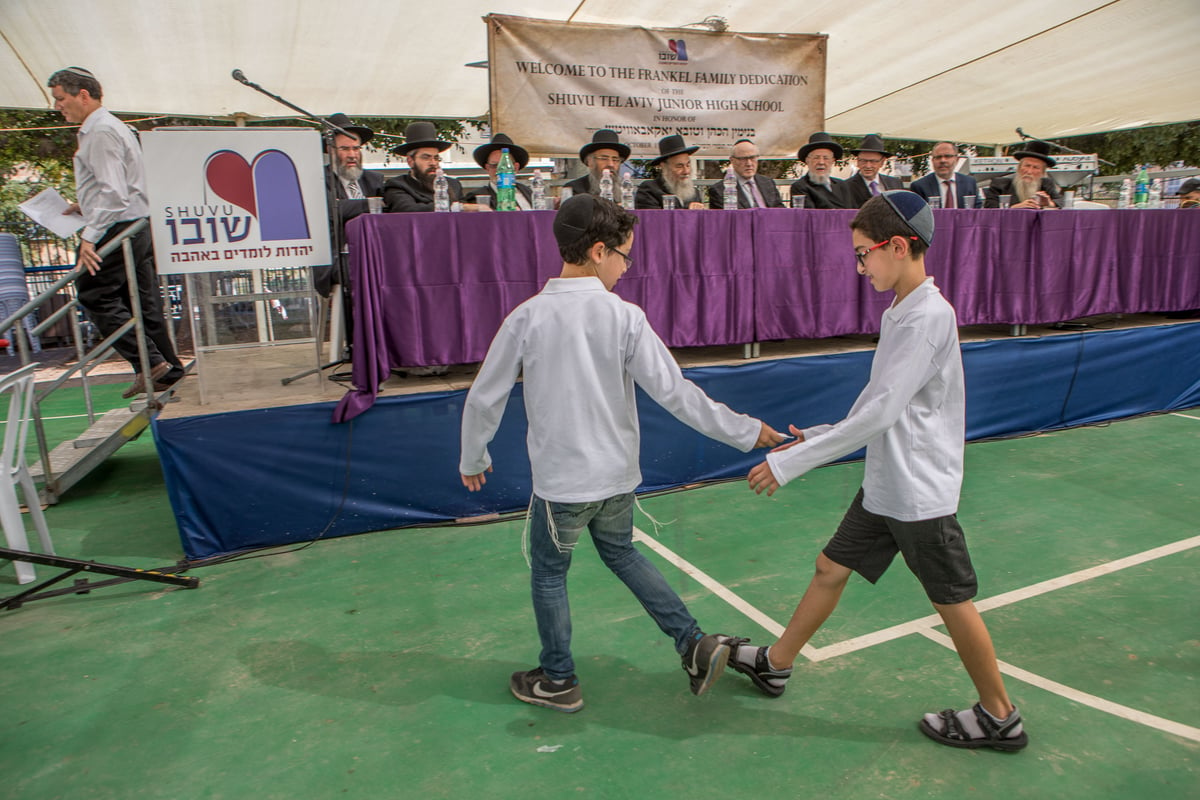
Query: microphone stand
336, 233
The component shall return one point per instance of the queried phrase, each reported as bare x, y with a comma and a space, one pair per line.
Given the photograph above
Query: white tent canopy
923, 69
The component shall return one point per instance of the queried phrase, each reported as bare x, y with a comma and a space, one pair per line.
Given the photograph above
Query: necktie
949, 202
756, 200
353, 190
874, 188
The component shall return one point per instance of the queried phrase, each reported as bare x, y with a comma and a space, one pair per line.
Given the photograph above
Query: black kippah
80, 71
574, 218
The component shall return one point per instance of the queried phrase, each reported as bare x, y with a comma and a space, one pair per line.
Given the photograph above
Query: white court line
924, 626
1083, 698
1185, 416
1005, 599
720, 590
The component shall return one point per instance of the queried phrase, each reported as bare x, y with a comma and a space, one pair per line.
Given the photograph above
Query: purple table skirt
434, 288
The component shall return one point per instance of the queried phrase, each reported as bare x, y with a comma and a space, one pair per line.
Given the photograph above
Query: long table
434, 288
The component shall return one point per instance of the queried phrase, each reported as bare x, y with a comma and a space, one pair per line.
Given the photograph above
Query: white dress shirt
581, 349
911, 416
110, 180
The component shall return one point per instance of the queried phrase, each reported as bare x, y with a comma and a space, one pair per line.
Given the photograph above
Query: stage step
74, 459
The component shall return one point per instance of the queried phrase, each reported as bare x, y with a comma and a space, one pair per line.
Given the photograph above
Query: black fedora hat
820, 141
1036, 149
672, 146
872, 143
418, 135
499, 142
363, 133
604, 139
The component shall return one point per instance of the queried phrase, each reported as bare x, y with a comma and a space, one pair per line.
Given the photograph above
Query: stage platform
261, 464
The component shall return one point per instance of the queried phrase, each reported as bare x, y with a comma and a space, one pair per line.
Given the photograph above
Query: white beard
684, 189
348, 174
1025, 188
820, 180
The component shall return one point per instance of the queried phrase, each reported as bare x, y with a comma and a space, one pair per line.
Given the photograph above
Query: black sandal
996, 735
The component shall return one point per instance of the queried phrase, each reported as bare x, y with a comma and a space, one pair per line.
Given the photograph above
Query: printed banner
554, 84
236, 198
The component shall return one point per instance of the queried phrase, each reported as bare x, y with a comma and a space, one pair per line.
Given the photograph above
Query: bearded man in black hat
1029, 187
818, 187
675, 176
414, 191
604, 152
352, 185
868, 182
488, 156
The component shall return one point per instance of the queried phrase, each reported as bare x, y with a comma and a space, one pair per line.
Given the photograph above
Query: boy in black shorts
911, 418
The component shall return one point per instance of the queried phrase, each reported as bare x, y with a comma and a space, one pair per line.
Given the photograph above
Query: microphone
240, 77
1020, 132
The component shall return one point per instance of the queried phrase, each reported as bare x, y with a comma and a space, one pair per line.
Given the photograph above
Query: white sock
746, 654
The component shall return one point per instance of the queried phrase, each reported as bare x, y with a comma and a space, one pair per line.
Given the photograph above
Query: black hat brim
519, 154
1050, 162
665, 156
834, 147
622, 149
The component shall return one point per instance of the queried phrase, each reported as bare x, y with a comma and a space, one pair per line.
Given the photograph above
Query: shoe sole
1009, 745
716, 666
753, 675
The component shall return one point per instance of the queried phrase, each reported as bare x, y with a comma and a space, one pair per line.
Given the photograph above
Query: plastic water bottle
1125, 198
441, 191
1156, 193
731, 198
1141, 190
606, 185
537, 186
627, 192
506, 183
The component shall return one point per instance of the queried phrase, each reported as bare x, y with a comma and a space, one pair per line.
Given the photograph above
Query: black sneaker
705, 660
534, 687
770, 680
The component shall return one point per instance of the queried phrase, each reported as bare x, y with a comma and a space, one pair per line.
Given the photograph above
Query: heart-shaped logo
229, 176
269, 189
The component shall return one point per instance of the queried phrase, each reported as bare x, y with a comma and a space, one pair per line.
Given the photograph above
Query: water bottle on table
730, 190
627, 192
606, 185
537, 187
441, 191
506, 183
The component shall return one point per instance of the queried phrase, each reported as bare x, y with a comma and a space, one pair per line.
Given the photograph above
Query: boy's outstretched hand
761, 478
475, 482
768, 436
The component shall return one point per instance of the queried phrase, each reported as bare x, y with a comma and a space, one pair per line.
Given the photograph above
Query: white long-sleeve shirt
581, 349
911, 416
110, 180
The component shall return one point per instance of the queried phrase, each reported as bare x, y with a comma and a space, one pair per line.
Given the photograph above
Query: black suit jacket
819, 196
371, 184
855, 191
405, 193
487, 190
766, 187
650, 195
579, 185
1004, 185
931, 186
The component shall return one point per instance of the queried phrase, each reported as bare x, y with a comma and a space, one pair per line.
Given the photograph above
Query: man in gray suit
754, 190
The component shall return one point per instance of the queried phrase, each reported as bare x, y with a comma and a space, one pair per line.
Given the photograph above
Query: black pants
105, 297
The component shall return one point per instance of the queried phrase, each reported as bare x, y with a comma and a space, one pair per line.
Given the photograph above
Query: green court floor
377, 665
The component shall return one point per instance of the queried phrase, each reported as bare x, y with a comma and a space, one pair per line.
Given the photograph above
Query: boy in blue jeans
580, 349
911, 418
